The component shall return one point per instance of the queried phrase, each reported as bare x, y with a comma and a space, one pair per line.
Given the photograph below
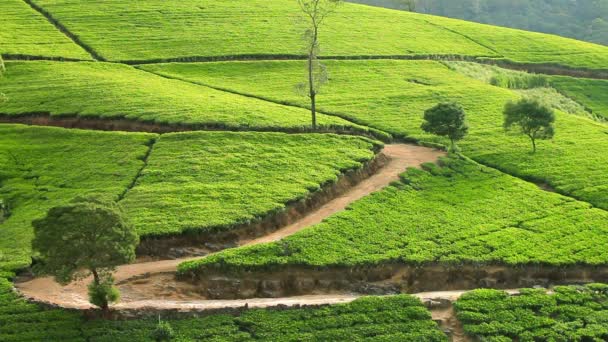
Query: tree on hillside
85, 237
315, 11
532, 118
446, 120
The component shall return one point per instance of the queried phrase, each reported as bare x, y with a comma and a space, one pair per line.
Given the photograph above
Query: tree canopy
446, 120
82, 237
532, 118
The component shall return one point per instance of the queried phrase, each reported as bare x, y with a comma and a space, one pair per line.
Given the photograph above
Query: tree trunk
533, 144
105, 308
453, 145
313, 110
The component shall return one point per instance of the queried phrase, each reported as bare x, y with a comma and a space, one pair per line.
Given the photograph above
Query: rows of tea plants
26, 32
209, 181
21, 321
246, 27
398, 318
593, 94
103, 90
43, 167
393, 95
568, 313
459, 213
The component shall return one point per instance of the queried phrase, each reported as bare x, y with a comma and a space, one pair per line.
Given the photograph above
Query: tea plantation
221, 138
103, 90
44, 167
393, 95
26, 32
460, 213
593, 94
212, 181
191, 181
569, 313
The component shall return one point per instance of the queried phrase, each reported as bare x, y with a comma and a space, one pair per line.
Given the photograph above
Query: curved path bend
400, 157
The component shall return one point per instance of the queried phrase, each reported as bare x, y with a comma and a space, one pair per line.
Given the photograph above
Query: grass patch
212, 181
461, 213
26, 32
380, 94
571, 313
114, 91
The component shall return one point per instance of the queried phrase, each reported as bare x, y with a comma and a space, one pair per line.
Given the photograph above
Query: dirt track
74, 295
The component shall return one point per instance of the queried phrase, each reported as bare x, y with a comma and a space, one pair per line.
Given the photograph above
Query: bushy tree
316, 12
531, 118
85, 237
446, 120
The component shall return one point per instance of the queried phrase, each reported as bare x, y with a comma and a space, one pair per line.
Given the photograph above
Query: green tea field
272, 170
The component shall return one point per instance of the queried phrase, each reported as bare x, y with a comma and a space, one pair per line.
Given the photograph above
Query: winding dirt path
46, 290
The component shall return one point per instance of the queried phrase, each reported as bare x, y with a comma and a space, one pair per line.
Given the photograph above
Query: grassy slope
44, 167
26, 32
205, 181
460, 213
118, 91
392, 96
570, 314
530, 47
153, 29
593, 94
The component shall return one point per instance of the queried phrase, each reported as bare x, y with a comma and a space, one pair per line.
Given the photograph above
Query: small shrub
163, 332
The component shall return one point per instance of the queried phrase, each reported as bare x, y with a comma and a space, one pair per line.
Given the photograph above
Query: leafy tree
315, 11
446, 120
532, 118
85, 237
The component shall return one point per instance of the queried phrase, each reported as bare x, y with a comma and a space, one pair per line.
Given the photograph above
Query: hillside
255, 224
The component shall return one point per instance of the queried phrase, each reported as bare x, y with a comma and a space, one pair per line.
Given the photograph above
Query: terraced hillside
153, 30
460, 213
393, 95
211, 148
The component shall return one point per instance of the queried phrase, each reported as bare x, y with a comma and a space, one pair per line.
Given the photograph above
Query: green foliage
94, 90
26, 32
212, 181
532, 118
572, 313
458, 213
447, 120
84, 235
45, 167
393, 95
103, 293
163, 332
499, 77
